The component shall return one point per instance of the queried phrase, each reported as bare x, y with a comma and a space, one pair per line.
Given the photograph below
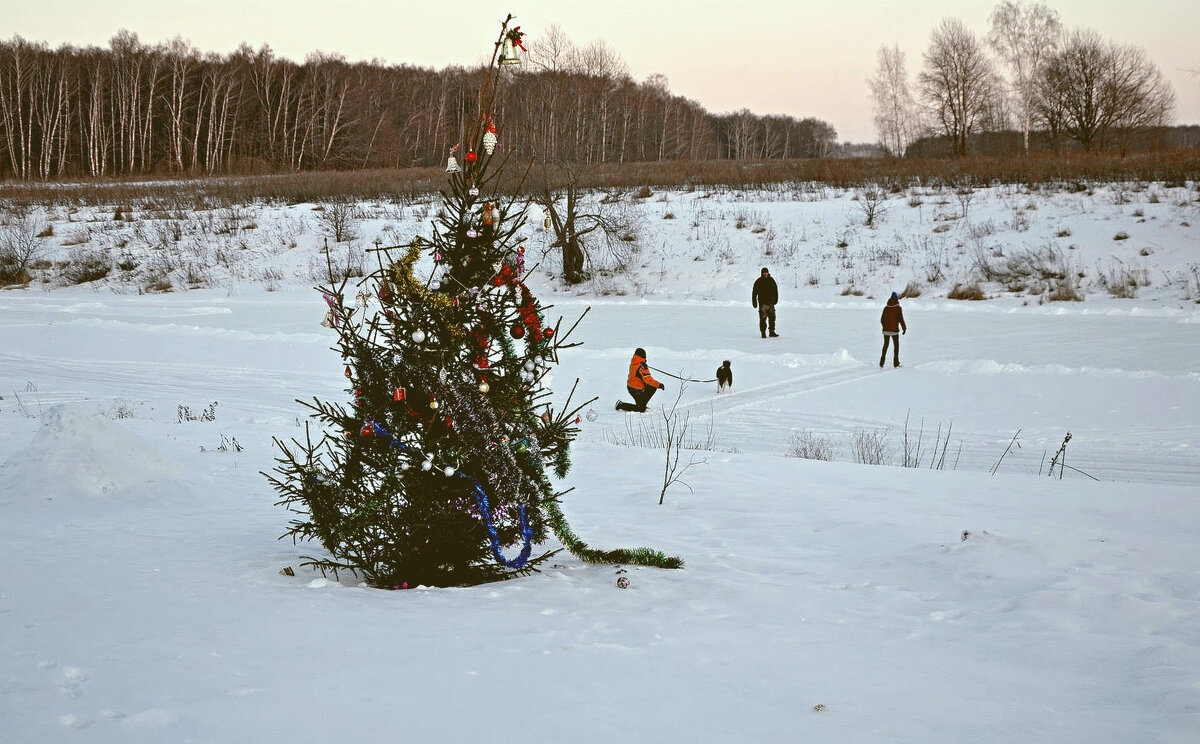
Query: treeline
135, 109
1011, 142
1063, 89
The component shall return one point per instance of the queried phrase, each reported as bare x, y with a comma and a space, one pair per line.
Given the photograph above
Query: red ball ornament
547, 333
472, 157
517, 331
368, 430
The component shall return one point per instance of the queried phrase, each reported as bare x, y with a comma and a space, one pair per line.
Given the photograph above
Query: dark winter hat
639, 351
765, 270
895, 296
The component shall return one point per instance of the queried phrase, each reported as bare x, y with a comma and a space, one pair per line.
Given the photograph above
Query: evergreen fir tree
435, 471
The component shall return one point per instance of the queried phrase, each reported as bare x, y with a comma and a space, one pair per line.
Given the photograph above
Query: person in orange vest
640, 384
892, 321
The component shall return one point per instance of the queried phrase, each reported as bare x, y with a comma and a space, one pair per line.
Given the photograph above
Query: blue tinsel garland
481, 500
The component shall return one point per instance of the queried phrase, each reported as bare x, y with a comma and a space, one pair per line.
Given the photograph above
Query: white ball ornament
530, 365
592, 415
448, 470
435, 285
427, 465
484, 387
418, 336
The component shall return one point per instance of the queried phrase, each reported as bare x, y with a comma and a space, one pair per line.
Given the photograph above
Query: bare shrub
969, 291
1064, 290
870, 447
1024, 269
84, 266
20, 245
1122, 281
338, 217
872, 200
809, 446
912, 289
156, 280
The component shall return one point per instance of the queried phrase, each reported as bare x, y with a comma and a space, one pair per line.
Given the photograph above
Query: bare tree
1093, 86
552, 50
571, 224
894, 107
957, 82
1025, 37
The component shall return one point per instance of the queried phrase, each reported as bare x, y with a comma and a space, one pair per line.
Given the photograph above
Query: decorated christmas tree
434, 471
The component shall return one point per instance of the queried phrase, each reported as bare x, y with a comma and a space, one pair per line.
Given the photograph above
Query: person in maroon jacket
892, 321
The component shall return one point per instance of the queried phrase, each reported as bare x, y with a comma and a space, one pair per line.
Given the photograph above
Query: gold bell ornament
546, 223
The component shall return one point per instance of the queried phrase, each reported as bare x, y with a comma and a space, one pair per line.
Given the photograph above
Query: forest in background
134, 109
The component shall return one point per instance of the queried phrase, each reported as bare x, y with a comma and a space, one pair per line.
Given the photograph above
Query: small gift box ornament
400, 394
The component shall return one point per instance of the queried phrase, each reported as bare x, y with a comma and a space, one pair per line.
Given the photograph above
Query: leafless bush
334, 265
870, 447
1122, 281
872, 200
809, 446
964, 192
339, 218
20, 245
913, 452
78, 236
966, 291
1064, 290
85, 265
1025, 269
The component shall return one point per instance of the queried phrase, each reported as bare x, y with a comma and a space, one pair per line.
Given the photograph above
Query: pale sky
793, 57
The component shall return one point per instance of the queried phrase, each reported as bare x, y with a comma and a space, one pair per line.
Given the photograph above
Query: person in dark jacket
765, 296
892, 321
641, 385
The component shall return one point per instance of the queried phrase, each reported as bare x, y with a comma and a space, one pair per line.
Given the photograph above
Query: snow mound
82, 454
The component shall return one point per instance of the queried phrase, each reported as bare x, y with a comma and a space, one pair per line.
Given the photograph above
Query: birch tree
1025, 37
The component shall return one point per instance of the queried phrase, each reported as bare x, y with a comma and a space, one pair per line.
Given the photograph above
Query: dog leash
685, 379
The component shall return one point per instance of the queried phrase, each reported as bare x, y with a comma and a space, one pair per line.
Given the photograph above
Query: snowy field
970, 599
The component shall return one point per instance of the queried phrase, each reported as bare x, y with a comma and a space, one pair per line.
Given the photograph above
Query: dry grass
415, 184
971, 291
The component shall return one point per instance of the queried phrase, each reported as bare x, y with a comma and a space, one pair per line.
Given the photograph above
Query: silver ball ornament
418, 336
592, 415
448, 470
427, 465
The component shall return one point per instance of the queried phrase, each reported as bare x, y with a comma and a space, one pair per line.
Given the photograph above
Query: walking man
765, 296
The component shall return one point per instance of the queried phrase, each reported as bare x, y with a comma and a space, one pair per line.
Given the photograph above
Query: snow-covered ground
141, 598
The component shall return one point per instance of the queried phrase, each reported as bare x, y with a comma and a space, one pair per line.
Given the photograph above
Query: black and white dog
724, 377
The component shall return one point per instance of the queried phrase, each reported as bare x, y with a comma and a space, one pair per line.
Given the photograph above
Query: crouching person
641, 385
